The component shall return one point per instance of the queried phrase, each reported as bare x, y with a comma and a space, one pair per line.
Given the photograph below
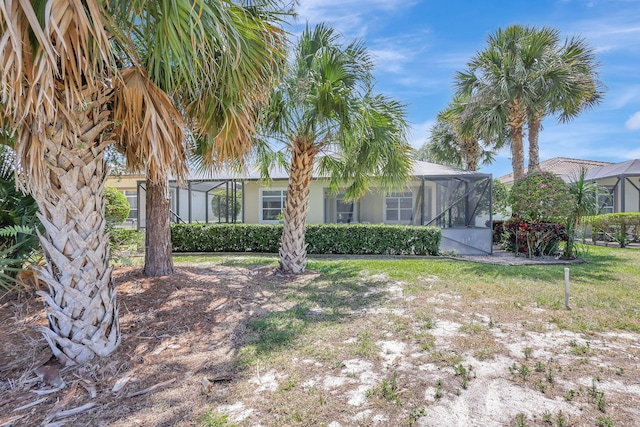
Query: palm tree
517, 76
570, 86
325, 109
458, 144
223, 61
76, 76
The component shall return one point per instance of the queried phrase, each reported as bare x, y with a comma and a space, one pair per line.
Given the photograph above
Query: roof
628, 168
565, 167
420, 169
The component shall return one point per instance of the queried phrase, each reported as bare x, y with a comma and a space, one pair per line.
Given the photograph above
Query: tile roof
565, 167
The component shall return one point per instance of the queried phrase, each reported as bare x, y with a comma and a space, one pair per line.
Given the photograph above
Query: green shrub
533, 238
116, 208
19, 243
621, 227
499, 198
129, 239
320, 238
541, 196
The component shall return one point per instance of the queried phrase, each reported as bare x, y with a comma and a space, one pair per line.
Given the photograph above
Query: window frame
339, 198
398, 196
283, 196
132, 209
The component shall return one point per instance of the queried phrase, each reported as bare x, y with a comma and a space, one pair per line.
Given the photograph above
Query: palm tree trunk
515, 123
81, 303
471, 152
534, 149
293, 249
157, 258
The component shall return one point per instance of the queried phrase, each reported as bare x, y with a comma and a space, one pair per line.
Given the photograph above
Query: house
622, 180
566, 168
456, 200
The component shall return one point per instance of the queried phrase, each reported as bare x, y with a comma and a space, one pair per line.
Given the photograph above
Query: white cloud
350, 17
390, 60
419, 133
633, 123
622, 97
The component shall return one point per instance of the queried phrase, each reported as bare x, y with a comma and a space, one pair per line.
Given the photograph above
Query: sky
418, 45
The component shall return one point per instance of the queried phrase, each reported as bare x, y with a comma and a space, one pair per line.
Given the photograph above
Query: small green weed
570, 395
215, 419
388, 390
528, 351
470, 328
604, 422
521, 420
521, 370
580, 349
464, 374
415, 414
365, 347
428, 322
438, 394
549, 376
597, 396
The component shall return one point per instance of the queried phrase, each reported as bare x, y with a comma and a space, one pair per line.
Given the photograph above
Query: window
398, 208
272, 204
605, 201
344, 210
132, 198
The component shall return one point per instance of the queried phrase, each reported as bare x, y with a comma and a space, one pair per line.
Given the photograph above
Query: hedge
622, 227
356, 239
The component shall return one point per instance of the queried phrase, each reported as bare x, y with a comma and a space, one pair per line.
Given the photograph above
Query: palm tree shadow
327, 297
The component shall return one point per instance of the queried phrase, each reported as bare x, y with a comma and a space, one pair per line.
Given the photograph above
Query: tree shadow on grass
188, 328
328, 298
597, 268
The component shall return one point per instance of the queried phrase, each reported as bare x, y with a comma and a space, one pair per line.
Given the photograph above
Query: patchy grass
376, 341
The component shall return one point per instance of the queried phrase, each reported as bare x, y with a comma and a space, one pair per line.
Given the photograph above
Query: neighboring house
458, 201
622, 180
566, 168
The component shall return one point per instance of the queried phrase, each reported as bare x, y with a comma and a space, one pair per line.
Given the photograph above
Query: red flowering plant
539, 201
533, 238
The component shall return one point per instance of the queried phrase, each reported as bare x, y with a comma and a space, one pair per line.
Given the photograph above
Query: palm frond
47, 48
149, 125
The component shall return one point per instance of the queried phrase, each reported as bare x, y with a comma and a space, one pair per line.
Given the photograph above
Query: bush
497, 231
320, 238
533, 238
126, 239
541, 196
499, 198
116, 208
621, 227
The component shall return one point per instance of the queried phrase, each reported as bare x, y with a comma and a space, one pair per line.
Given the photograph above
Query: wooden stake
566, 288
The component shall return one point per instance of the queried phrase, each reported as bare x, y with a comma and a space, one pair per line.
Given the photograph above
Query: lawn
358, 341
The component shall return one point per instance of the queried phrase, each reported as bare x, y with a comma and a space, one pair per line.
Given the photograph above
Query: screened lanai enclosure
457, 201
200, 201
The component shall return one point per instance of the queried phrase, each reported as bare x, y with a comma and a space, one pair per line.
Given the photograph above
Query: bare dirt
181, 337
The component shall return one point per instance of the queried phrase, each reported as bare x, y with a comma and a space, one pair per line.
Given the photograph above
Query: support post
566, 288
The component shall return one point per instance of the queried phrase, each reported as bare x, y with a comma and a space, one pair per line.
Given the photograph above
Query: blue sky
419, 45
